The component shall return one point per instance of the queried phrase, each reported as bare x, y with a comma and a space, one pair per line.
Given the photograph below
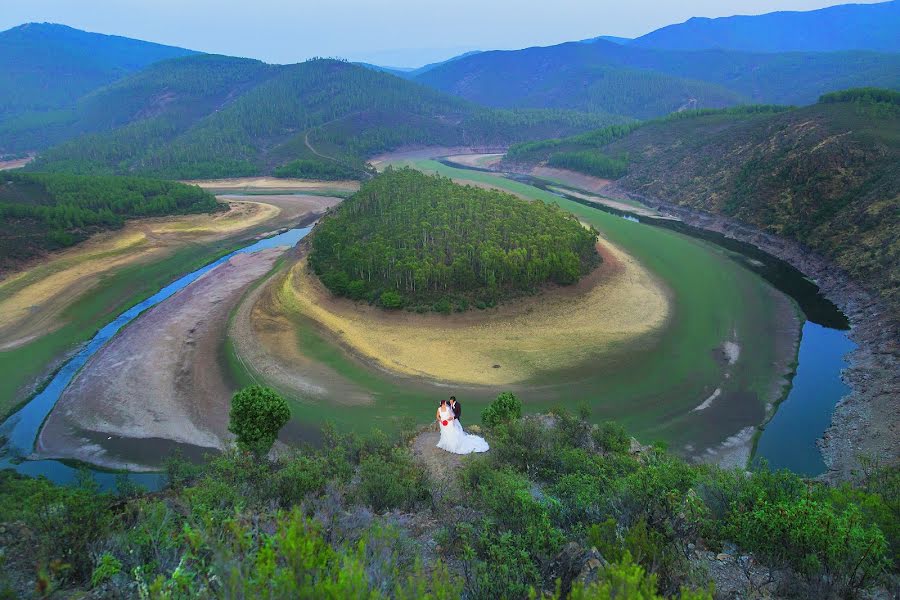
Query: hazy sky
387, 32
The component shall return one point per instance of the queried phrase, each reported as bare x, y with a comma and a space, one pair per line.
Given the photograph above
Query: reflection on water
20, 430
789, 439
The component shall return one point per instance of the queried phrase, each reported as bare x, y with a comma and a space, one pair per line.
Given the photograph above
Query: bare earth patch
618, 303
158, 378
32, 301
481, 161
6, 165
249, 184
572, 178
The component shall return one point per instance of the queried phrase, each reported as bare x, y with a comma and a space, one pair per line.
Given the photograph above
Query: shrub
300, 476
504, 409
611, 437
257, 415
395, 482
391, 299
107, 568
625, 580
835, 551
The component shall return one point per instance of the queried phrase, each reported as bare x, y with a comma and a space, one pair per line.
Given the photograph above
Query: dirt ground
158, 378
33, 300
481, 161
247, 184
618, 303
572, 178
633, 208
18, 163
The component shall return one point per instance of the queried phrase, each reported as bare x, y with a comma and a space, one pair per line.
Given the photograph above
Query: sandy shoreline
618, 303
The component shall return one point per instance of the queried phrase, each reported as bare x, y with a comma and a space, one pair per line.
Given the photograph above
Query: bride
453, 438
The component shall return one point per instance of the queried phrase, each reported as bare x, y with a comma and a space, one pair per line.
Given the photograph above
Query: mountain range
844, 27
92, 103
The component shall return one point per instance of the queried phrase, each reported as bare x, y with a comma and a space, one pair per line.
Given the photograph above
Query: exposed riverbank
864, 423
159, 383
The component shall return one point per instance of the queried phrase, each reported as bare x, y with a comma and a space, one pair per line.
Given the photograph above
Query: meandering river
787, 441
20, 430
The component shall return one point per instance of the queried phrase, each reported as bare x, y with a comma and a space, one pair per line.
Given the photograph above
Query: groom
456, 407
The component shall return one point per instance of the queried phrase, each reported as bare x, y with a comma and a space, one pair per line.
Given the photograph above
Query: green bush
107, 568
298, 477
257, 415
393, 483
391, 299
625, 580
835, 551
611, 437
504, 409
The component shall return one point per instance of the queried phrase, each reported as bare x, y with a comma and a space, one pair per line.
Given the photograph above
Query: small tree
504, 409
257, 415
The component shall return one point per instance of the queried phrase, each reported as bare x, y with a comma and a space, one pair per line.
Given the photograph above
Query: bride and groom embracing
453, 438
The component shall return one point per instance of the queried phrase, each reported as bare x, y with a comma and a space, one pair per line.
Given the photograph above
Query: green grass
650, 386
113, 295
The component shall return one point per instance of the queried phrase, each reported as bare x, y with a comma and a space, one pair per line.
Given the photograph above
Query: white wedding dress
454, 439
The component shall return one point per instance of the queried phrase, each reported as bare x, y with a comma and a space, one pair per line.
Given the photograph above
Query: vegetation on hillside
42, 212
208, 116
147, 107
557, 508
825, 175
645, 83
409, 239
45, 66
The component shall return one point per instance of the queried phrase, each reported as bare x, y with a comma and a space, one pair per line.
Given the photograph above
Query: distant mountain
826, 175
643, 83
48, 67
608, 38
211, 116
846, 27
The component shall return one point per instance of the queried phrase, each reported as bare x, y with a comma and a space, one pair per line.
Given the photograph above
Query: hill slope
644, 83
46, 67
43, 212
411, 239
826, 175
170, 96
217, 116
845, 27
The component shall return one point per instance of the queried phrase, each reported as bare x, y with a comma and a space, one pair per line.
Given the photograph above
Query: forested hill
643, 83
414, 240
214, 116
161, 100
844, 27
48, 67
42, 212
827, 175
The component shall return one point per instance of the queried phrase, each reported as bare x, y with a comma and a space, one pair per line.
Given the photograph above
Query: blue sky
387, 32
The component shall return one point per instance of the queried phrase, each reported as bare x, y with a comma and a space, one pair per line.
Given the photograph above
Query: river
788, 440
20, 430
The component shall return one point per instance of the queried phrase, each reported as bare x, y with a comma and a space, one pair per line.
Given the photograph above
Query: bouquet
445, 422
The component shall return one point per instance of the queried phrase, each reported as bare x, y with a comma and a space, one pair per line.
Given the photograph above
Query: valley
655, 273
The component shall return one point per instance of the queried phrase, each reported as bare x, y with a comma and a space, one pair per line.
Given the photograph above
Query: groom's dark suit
457, 410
